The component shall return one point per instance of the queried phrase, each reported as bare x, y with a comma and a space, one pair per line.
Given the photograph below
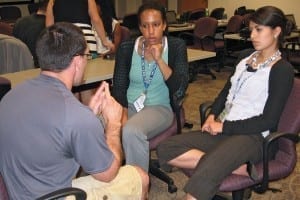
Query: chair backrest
125, 33
217, 13
290, 118
240, 10
33, 7
15, 55
290, 123
10, 13
246, 19
235, 24
196, 14
130, 21
6, 28
205, 26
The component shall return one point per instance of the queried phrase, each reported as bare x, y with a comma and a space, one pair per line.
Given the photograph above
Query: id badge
139, 102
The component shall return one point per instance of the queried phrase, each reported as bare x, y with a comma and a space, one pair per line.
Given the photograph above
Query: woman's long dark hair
272, 16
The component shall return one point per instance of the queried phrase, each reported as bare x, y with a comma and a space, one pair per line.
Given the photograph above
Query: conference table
191, 26
236, 36
97, 70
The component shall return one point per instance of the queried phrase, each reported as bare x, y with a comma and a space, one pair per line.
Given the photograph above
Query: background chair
125, 33
10, 13
196, 14
201, 38
131, 22
78, 193
226, 48
6, 28
217, 13
240, 10
15, 55
33, 7
285, 159
293, 55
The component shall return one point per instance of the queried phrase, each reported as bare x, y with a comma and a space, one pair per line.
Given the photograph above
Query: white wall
287, 6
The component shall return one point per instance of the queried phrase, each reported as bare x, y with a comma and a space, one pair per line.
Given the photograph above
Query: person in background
6, 28
151, 74
55, 134
111, 26
246, 110
82, 13
28, 28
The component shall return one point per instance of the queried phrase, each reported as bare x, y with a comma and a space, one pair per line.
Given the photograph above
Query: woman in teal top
151, 75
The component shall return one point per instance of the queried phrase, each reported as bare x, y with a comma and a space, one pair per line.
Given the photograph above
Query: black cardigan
280, 85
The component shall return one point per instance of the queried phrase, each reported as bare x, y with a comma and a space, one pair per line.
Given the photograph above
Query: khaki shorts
126, 185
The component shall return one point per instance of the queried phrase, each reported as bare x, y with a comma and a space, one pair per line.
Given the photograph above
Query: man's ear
76, 62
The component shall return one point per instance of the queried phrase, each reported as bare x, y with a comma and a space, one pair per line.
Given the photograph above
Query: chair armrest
78, 193
267, 142
203, 110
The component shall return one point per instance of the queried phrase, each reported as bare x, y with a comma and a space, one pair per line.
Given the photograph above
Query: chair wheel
172, 188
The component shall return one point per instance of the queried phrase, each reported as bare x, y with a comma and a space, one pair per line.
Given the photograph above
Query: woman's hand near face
156, 51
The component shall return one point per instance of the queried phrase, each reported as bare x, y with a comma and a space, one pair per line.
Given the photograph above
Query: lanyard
259, 66
238, 85
146, 82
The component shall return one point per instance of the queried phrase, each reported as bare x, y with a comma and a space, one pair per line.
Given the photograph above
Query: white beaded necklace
252, 62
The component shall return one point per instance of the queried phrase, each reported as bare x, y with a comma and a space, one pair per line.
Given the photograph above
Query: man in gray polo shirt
46, 134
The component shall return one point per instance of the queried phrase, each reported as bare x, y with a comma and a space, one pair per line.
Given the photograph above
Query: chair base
155, 171
195, 69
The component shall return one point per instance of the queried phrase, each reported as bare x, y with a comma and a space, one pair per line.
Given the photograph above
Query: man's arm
104, 104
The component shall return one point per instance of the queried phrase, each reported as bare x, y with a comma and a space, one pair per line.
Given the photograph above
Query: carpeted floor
202, 89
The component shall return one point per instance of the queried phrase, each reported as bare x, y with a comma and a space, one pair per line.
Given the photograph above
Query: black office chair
217, 13
33, 7
196, 14
64, 192
131, 21
10, 13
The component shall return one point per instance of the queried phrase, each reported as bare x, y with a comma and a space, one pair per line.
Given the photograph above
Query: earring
275, 36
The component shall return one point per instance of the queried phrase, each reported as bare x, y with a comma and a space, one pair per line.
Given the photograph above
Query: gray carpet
203, 89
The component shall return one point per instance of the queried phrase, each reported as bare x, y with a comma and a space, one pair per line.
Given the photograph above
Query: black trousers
223, 154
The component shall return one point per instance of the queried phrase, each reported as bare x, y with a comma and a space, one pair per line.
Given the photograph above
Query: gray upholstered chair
15, 55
